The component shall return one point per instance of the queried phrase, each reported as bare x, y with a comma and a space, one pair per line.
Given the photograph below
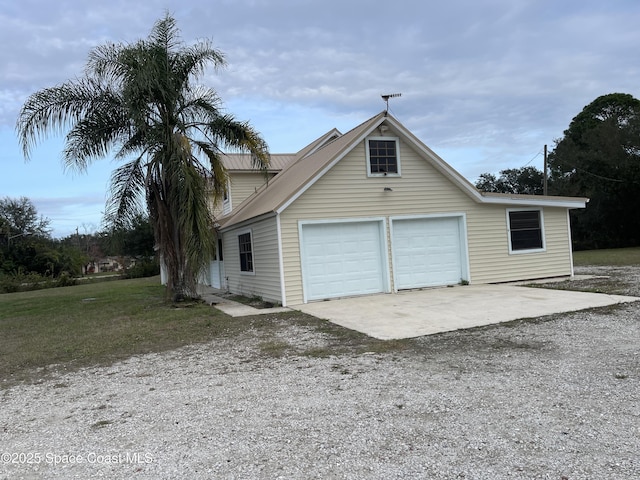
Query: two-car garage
353, 257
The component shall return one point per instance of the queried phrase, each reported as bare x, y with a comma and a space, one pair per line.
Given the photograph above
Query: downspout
570, 242
283, 293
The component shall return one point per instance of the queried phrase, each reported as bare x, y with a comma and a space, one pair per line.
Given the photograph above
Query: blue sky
485, 84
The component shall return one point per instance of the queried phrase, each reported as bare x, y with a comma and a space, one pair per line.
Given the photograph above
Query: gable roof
319, 142
315, 160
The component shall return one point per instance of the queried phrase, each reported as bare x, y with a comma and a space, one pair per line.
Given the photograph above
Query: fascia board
569, 202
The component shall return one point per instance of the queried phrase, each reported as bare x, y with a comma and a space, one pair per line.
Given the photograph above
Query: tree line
597, 157
30, 257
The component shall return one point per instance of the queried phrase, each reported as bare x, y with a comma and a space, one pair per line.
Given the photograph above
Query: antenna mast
386, 100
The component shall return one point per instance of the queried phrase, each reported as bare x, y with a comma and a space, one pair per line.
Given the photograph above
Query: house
374, 210
108, 264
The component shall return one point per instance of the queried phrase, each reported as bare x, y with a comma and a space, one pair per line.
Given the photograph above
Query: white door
342, 259
426, 252
214, 269
217, 268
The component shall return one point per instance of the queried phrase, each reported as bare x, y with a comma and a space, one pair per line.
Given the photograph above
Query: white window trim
544, 236
253, 252
383, 175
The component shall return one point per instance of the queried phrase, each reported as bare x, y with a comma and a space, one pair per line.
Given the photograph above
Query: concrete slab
234, 309
239, 310
426, 312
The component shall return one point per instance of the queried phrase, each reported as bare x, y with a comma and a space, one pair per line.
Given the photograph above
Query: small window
525, 230
382, 155
246, 254
226, 199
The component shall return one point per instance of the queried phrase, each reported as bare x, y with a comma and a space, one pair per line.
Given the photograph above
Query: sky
484, 83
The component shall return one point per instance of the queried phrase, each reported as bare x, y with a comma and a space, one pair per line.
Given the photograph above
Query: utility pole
544, 180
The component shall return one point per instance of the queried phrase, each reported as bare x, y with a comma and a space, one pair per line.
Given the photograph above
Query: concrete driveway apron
426, 312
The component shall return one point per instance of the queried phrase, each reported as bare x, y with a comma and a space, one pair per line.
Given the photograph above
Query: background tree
599, 157
140, 102
135, 243
19, 217
91, 246
525, 180
26, 246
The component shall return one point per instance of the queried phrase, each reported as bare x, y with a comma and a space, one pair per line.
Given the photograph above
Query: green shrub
7, 284
23, 282
143, 268
65, 280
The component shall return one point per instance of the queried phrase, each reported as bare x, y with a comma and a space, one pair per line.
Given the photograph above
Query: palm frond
93, 137
240, 136
193, 60
127, 189
52, 110
217, 173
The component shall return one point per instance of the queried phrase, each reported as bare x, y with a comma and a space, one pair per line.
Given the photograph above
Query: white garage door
342, 259
426, 252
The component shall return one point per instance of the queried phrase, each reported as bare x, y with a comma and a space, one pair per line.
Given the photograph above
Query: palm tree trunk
181, 284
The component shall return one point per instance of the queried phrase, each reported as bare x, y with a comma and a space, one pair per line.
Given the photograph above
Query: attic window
382, 156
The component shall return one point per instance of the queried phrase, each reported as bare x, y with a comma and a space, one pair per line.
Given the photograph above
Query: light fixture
388, 189
383, 129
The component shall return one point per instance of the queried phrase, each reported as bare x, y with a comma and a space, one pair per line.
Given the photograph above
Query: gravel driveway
551, 398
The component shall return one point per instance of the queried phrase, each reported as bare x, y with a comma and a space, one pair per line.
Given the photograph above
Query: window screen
526, 230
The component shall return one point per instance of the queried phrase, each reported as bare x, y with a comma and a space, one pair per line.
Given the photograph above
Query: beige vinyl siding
265, 280
346, 191
489, 247
242, 185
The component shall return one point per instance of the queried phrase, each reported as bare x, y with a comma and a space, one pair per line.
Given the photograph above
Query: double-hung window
246, 252
525, 230
382, 156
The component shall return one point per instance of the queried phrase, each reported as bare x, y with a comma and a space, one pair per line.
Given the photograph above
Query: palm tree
139, 102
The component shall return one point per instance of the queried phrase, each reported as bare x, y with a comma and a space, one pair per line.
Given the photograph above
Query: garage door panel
427, 252
342, 259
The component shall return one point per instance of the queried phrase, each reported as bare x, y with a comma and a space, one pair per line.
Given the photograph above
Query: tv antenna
386, 100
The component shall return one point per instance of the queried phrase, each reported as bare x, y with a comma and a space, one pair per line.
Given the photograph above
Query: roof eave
223, 227
535, 201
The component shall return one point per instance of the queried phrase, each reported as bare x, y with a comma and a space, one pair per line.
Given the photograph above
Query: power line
534, 157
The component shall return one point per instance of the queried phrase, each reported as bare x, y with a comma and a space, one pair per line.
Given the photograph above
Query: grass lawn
613, 257
90, 323
99, 323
